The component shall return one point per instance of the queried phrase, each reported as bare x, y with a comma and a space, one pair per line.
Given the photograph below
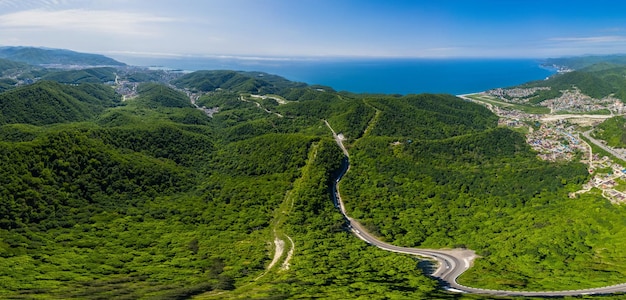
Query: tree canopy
151, 198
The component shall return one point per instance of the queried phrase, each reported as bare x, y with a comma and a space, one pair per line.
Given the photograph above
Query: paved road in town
452, 262
603, 146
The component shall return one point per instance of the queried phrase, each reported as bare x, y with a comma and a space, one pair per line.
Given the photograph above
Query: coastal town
573, 101
570, 101
566, 133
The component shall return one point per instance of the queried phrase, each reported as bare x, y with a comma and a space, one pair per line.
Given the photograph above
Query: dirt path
285, 265
372, 123
278, 251
579, 119
260, 106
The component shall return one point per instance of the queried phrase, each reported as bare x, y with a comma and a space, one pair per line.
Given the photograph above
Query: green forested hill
38, 56
153, 199
251, 82
62, 178
7, 84
93, 75
157, 95
12, 71
429, 117
613, 131
48, 102
11, 66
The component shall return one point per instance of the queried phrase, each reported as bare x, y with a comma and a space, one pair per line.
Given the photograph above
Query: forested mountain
158, 95
48, 102
92, 75
581, 62
429, 117
151, 198
8, 66
11, 73
7, 84
45, 56
249, 82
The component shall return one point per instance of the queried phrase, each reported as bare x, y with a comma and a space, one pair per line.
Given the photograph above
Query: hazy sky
286, 28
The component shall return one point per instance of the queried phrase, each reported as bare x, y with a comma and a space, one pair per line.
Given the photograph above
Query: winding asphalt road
452, 263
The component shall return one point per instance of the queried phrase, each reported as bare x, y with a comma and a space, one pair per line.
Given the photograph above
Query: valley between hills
121, 182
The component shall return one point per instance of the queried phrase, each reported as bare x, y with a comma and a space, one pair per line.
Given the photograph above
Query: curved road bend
452, 263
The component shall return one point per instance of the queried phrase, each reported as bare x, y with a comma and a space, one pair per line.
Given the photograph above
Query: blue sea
389, 76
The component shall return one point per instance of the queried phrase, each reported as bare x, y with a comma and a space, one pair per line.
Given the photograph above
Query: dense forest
151, 198
613, 131
47, 102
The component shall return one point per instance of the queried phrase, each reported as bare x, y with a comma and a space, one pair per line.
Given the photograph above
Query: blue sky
319, 28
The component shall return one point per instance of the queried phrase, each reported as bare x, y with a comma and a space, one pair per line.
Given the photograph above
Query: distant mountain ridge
581, 62
597, 81
46, 56
250, 82
89, 75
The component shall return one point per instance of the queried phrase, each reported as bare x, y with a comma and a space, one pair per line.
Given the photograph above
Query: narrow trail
279, 251
452, 262
279, 248
280, 216
285, 265
372, 123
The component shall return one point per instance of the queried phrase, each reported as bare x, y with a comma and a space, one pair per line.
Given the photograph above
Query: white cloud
30, 4
113, 22
592, 39
146, 54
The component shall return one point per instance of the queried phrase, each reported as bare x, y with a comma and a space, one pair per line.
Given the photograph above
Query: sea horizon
376, 75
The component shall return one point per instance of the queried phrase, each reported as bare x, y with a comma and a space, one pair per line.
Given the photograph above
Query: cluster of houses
512, 117
516, 95
127, 89
612, 184
577, 102
555, 142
